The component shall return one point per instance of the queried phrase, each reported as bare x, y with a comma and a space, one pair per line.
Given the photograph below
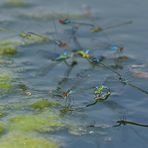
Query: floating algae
23, 140
44, 103
38, 123
16, 3
8, 50
9, 46
5, 82
2, 114
11, 43
2, 127
40, 105
2, 62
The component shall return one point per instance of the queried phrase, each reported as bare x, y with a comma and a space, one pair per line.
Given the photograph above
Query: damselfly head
96, 29
117, 48
121, 49
61, 44
83, 54
64, 21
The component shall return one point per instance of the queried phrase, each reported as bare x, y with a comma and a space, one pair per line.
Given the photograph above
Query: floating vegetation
24, 89
8, 50
43, 104
2, 114
5, 62
9, 46
10, 43
16, 3
2, 127
23, 140
5, 86
101, 93
38, 123
5, 82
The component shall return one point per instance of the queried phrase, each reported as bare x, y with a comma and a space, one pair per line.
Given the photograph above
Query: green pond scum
2, 114
9, 43
2, 127
9, 46
5, 82
38, 123
8, 50
24, 140
16, 3
43, 104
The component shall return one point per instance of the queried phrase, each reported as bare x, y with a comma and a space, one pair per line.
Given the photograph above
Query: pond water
51, 92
